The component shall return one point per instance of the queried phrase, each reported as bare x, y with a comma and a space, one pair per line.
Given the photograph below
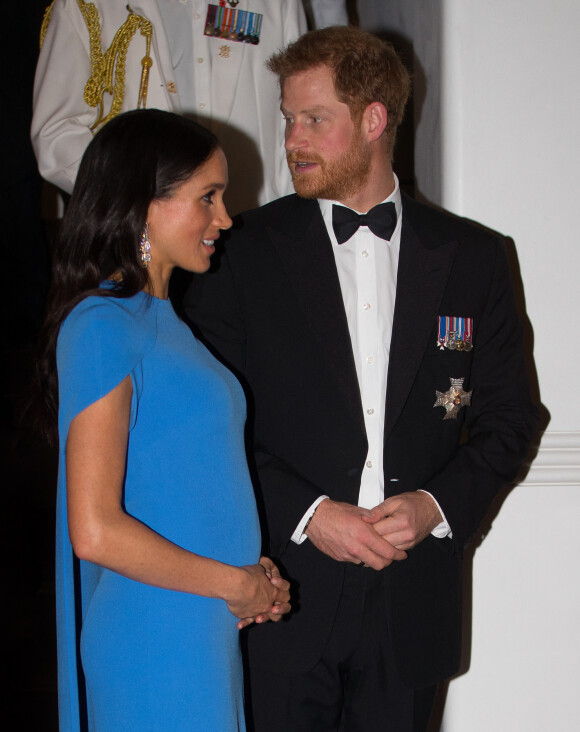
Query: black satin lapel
309, 263
421, 280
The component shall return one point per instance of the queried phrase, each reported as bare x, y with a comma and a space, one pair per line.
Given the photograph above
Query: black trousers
354, 687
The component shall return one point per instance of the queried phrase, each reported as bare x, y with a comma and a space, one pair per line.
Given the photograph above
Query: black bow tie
381, 220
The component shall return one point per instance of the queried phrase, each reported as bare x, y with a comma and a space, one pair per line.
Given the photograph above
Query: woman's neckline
111, 283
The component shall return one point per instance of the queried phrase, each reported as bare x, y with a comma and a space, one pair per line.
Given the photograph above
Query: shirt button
369, 464
367, 306
202, 105
197, 16
370, 359
370, 411
200, 60
365, 253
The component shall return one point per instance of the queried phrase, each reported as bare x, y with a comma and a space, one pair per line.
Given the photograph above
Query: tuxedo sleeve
501, 418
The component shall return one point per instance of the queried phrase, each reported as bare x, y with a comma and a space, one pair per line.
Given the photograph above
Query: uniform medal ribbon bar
455, 333
241, 26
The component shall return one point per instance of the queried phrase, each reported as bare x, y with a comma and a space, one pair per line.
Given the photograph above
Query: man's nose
295, 138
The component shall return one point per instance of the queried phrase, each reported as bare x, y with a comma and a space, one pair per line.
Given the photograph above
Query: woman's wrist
232, 583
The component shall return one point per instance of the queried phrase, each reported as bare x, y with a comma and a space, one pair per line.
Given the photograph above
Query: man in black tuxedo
383, 362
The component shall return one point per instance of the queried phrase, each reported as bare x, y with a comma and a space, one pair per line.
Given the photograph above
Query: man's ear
374, 120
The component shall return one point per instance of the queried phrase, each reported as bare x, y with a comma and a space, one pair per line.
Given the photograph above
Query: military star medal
453, 399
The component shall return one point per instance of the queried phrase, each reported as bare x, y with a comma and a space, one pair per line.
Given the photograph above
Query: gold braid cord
108, 69
45, 22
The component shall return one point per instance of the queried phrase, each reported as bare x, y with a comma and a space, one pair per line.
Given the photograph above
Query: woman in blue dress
158, 547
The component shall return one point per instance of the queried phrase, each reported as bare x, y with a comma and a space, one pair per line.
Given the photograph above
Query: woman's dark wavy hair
138, 157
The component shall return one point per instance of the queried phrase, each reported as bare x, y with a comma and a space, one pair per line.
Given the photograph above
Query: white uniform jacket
236, 96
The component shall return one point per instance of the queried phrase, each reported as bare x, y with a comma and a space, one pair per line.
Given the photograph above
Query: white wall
420, 22
511, 158
525, 660
502, 114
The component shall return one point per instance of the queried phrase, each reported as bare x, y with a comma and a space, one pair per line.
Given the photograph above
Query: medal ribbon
242, 26
461, 327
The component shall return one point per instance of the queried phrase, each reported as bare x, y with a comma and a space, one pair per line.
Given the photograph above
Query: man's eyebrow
309, 110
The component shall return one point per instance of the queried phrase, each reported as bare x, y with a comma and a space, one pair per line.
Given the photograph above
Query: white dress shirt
367, 272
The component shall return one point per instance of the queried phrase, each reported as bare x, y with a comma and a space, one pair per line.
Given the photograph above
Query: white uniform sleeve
294, 21
329, 12
279, 182
61, 118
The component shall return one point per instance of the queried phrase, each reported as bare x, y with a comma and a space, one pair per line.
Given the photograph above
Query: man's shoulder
436, 225
273, 211
288, 215
105, 8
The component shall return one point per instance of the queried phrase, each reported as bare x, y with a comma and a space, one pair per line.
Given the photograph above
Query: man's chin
306, 194
311, 185
305, 189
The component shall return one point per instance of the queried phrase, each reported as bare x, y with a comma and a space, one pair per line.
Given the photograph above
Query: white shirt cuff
299, 536
442, 530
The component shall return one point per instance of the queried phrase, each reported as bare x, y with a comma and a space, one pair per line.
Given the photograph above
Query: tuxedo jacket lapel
425, 262
424, 266
307, 257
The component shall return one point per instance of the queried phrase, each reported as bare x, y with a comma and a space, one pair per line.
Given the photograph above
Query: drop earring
145, 247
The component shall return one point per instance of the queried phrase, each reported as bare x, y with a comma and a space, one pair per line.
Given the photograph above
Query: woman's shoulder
102, 340
108, 312
105, 322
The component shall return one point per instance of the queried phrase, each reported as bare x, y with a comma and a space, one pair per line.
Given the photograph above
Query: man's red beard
336, 180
